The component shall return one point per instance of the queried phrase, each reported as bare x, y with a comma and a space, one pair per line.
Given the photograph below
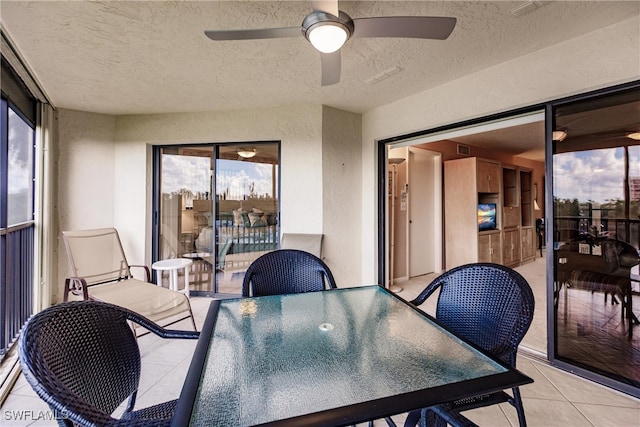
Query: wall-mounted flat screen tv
487, 216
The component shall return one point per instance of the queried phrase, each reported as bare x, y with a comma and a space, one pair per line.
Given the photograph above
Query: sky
20, 170
586, 175
192, 173
596, 175
20, 154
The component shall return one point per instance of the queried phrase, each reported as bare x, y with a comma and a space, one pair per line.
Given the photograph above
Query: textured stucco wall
341, 216
599, 59
85, 178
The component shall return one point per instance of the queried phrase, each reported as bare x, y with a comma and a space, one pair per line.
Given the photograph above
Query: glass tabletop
328, 356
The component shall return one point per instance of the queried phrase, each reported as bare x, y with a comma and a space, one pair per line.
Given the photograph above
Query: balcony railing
16, 281
576, 228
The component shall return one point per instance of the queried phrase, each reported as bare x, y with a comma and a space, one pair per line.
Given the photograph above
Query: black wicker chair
491, 306
286, 271
82, 358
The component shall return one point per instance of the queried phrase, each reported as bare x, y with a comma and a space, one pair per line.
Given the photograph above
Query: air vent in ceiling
527, 7
464, 150
384, 75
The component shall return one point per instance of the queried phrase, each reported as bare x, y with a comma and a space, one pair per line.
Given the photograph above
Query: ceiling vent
384, 75
464, 150
527, 7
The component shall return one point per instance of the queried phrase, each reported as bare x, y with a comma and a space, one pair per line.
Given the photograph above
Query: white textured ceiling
141, 57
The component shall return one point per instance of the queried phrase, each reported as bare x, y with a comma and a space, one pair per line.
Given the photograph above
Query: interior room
209, 149
489, 141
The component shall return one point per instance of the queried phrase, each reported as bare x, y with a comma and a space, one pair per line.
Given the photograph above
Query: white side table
172, 266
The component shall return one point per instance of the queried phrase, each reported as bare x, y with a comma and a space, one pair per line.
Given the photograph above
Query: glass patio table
333, 357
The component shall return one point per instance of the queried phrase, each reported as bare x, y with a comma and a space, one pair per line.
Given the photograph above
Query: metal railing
572, 228
16, 281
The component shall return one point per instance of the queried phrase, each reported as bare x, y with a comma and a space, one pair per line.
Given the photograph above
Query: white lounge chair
100, 271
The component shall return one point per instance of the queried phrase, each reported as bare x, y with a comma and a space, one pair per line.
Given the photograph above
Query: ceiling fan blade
331, 64
327, 6
421, 27
264, 33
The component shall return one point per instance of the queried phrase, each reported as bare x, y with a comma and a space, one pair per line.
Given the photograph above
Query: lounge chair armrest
159, 330
147, 272
69, 281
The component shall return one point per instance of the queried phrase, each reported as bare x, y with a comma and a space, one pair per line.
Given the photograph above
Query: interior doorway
415, 220
513, 141
425, 188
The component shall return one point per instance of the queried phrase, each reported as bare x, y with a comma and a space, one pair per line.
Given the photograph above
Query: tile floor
556, 398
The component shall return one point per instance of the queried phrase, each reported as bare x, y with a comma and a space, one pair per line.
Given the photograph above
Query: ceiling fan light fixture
327, 37
247, 153
634, 135
559, 135
327, 33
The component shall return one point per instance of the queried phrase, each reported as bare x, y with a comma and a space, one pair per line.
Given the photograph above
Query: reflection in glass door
185, 209
596, 234
247, 209
218, 207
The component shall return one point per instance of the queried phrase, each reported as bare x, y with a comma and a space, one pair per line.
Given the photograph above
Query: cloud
20, 155
596, 175
185, 172
236, 177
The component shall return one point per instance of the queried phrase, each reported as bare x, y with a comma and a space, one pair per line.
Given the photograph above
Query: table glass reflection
331, 357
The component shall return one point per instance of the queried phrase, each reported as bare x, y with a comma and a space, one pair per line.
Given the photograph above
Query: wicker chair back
286, 271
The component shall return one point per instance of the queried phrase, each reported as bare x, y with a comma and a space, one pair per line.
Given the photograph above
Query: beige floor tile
168, 387
22, 387
549, 413
578, 390
162, 379
541, 388
490, 416
607, 416
25, 410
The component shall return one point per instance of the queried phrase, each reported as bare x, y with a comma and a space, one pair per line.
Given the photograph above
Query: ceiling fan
328, 28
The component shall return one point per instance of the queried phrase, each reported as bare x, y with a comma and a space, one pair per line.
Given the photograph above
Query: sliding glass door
216, 205
596, 236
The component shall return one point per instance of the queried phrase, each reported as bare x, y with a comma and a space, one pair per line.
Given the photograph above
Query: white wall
599, 59
85, 182
341, 146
